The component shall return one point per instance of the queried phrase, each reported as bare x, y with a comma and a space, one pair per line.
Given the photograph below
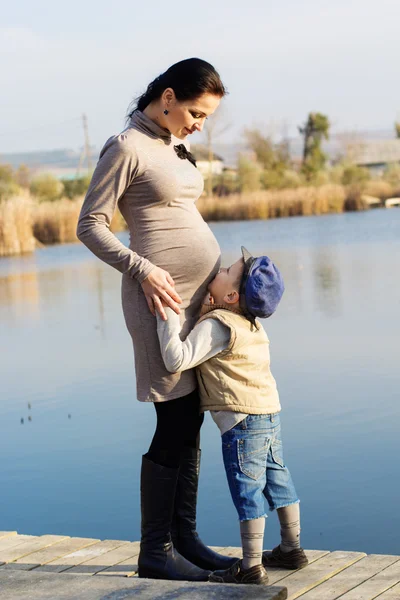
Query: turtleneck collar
145, 125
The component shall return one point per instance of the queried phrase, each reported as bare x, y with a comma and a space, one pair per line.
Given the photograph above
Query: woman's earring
166, 112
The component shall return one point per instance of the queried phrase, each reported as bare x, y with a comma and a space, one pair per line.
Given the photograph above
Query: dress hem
171, 396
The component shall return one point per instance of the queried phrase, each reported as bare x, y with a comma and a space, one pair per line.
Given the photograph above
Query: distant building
203, 164
374, 156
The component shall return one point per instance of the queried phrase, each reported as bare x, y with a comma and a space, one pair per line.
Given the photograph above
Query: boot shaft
157, 496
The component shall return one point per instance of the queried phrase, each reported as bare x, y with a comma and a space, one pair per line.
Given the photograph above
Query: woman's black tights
178, 427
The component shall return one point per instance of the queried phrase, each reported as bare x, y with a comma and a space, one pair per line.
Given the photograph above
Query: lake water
72, 432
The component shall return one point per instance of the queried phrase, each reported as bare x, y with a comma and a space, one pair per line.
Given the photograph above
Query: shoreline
26, 225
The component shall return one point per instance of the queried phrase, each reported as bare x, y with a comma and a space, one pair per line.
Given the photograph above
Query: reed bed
328, 198
16, 219
25, 223
55, 222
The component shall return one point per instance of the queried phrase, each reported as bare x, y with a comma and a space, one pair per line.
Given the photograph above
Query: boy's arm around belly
207, 339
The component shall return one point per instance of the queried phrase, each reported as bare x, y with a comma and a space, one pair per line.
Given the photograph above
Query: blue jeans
253, 459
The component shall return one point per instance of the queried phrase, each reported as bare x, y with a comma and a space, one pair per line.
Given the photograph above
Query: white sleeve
207, 339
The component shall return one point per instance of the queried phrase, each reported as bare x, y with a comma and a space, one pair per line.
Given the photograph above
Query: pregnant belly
192, 260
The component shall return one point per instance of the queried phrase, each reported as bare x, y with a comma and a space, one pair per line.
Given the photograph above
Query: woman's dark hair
188, 78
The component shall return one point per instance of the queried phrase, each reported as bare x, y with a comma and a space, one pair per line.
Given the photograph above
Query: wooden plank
126, 568
379, 583
45, 555
4, 534
121, 561
9, 542
29, 546
392, 594
328, 566
80, 556
233, 551
108, 559
350, 578
278, 574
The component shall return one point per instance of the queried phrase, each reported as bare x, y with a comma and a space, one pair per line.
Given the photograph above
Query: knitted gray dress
156, 192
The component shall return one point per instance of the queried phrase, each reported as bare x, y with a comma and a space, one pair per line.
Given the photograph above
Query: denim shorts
253, 459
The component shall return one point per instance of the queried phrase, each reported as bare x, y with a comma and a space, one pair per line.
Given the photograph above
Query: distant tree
249, 175
6, 173
76, 187
46, 188
8, 185
314, 131
392, 175
271, 156
225, 184
214, 126
23, 176
352, 174
397, 128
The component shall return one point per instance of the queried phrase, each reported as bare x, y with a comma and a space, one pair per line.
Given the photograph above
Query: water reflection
28, 295
326, 276
19, 295
71, 425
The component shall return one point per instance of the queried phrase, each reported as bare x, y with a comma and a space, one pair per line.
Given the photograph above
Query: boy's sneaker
235, 574
295, 559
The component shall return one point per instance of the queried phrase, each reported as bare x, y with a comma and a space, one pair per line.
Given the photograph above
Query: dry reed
379, 189
16, 235
271, 204
55, 222
22, 220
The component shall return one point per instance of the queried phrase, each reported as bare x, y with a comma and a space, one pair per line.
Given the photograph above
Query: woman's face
184, 118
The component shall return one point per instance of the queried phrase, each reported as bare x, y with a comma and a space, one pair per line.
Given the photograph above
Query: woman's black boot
158, 558
184, 535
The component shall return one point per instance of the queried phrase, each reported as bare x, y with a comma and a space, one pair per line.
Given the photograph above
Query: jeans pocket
252, 454
277, 453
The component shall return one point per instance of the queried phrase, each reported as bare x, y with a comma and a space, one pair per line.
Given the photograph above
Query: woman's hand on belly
159, 290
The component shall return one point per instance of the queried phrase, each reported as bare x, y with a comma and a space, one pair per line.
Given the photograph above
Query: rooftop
374, 153
200, 152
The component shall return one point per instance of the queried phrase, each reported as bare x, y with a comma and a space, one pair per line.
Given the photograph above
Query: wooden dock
329, 575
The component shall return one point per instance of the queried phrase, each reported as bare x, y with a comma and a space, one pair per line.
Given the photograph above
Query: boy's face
226, 282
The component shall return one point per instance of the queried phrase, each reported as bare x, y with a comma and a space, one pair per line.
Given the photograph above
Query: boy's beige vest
239, 378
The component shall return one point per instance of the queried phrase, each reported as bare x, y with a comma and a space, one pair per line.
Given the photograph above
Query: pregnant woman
149, 174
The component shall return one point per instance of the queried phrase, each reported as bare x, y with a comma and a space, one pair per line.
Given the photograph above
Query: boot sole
274, 565
149, 575
220, 580
145, 574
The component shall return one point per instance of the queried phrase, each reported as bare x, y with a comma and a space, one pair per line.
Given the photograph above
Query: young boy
231, 352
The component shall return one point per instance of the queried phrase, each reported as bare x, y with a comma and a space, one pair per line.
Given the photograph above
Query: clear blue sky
279, 60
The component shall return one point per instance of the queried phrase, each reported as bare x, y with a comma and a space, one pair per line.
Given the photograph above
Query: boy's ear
232, 297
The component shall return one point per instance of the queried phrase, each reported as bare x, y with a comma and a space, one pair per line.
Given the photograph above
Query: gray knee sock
252, 534
289, 519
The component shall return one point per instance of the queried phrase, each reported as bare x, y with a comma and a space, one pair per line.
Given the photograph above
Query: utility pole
210, 154
214, 127
87, 143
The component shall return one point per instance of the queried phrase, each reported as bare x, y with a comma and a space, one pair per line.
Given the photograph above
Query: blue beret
261, 287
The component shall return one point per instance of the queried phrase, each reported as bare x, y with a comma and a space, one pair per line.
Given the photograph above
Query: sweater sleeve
207, 339
114, 173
